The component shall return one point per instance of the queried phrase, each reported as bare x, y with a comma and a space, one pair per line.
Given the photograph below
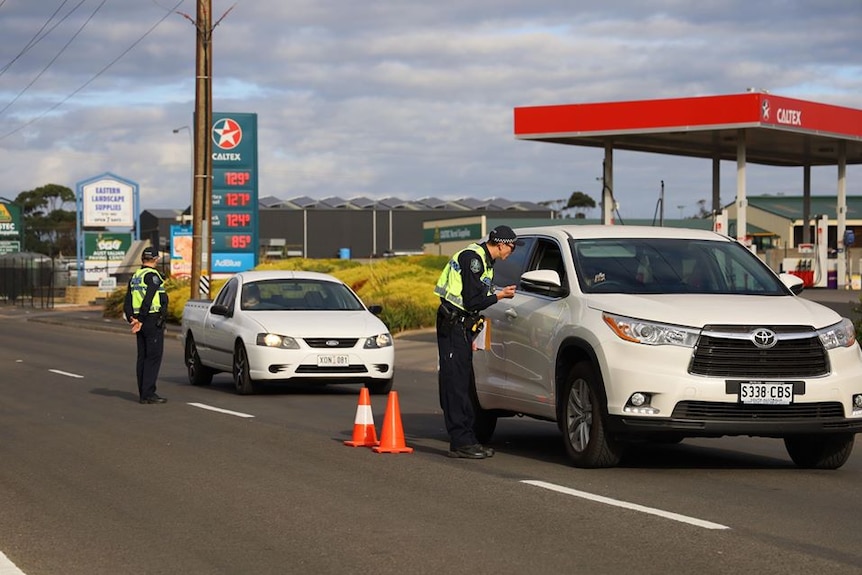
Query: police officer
145, 308
465, 289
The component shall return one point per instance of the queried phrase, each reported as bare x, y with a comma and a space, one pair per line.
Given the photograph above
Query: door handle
511, 313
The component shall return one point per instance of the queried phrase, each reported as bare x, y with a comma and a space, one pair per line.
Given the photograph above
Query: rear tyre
484, 421
820, 451
584, 434
198, 373
381, 387
241, 376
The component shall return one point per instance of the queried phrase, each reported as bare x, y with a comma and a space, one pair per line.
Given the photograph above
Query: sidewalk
83, 316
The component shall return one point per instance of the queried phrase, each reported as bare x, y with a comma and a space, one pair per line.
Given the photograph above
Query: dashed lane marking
66, 373
633, 506
7, 567
220, 410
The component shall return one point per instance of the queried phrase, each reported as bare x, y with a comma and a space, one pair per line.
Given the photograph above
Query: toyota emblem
764, 338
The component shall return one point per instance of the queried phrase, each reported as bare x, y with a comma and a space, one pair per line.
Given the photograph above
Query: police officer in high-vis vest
465, 288
145, 308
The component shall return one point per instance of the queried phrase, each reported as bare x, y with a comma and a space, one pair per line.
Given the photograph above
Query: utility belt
453, 315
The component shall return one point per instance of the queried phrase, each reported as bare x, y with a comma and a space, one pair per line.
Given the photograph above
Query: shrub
404, 286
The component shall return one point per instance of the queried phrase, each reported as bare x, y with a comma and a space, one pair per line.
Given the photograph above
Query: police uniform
465, 289
146, 301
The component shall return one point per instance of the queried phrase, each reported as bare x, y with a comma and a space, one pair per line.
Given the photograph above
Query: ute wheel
484, 421
380, 387
820, 451
241, 377
584, 435
198, 373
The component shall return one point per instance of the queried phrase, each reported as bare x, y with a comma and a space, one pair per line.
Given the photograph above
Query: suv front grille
706, 410
725, 351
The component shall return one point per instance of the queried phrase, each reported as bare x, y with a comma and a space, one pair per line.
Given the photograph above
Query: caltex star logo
227, 134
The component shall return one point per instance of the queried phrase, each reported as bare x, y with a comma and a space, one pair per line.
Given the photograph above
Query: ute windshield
662, 266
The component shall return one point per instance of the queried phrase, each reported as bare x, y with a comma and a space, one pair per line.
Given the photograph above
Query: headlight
275, 340
842, 334
650, 333
379, 340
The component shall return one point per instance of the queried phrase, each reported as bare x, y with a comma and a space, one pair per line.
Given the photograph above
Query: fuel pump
821, 251
849, 240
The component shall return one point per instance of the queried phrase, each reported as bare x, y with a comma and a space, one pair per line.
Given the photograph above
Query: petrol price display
229, 242
234, 192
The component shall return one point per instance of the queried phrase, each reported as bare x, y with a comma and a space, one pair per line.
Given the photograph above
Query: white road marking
66, 373
7, 567
220, 410
633, 506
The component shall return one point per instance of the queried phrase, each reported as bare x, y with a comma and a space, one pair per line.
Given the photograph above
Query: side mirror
219, 310
545, 278
793, 283
375, 309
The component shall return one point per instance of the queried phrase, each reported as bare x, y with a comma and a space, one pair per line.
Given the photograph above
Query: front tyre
584, 433
198, 373
381, 387
820, 451
241, 375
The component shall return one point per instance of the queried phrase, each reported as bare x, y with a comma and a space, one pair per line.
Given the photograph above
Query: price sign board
234, 192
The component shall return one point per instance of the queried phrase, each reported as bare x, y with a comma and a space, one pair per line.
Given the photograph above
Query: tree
581, 201
578, 200
48, 227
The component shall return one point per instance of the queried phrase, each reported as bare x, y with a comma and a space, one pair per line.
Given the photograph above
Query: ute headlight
650, 333
377, 341
842, 334
275, 340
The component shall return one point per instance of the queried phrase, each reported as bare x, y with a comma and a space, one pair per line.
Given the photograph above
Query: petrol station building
754, 127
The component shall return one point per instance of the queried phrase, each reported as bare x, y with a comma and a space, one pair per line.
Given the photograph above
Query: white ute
287, 326
624, 333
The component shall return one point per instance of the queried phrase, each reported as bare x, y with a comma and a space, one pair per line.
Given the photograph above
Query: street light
191, 169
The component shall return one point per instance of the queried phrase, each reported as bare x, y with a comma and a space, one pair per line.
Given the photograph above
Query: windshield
657, 266
298, 295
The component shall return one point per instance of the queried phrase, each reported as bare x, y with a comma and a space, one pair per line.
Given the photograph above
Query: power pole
202, 210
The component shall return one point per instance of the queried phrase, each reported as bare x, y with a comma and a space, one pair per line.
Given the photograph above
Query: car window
305, 295
508, 272
547, 255
227, 294
662, 265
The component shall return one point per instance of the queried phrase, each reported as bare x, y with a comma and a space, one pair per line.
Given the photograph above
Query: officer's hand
507, 292
136, 325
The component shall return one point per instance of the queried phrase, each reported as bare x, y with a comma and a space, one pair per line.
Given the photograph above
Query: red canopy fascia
779, 131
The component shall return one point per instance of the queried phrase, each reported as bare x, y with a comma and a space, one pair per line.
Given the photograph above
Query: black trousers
455, 356
151, 345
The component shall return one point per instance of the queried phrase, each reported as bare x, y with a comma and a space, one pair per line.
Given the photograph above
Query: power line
38, 36
97, 75
54, 59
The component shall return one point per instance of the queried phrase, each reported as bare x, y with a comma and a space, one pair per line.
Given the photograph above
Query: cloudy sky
405, 98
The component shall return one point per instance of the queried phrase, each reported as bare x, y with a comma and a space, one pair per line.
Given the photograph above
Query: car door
220, 329
523, 330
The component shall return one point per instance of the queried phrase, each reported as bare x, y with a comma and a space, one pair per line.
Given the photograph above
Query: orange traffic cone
392, 434
364, 434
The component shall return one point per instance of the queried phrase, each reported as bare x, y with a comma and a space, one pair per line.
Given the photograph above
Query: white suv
623, 333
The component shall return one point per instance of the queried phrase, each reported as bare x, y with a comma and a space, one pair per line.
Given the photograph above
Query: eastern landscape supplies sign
103, 253
108, 202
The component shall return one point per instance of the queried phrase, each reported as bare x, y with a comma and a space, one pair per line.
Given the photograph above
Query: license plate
333, 360
766, 392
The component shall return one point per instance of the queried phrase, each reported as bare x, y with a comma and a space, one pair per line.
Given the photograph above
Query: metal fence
32, 280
